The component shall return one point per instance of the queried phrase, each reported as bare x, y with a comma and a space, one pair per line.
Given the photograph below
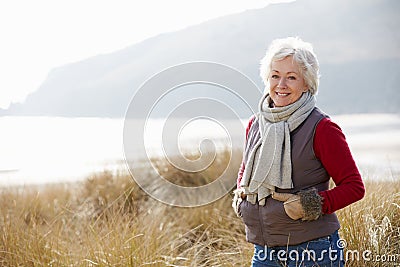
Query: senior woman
292, 151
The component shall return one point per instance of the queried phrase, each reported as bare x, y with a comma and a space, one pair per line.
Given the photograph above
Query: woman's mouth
282, 94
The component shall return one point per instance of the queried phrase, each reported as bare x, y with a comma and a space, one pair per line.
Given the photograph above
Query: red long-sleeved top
331, 148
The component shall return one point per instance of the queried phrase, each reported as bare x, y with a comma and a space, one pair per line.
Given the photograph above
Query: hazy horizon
38, 150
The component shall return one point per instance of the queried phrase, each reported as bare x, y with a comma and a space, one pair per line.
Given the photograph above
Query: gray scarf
268, 162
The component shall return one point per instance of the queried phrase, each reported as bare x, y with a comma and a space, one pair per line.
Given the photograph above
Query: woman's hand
305, 205
238, 196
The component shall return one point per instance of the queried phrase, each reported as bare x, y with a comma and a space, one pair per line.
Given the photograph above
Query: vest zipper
261, 223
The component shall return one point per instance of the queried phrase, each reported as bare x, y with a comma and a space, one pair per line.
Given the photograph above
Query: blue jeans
321, 252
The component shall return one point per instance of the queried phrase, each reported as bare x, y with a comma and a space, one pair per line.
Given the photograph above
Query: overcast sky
39, 35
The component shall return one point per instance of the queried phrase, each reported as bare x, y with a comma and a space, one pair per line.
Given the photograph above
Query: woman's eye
292, 78
274, 76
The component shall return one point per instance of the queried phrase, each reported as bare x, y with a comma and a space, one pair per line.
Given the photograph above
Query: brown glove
238, 196
305, 205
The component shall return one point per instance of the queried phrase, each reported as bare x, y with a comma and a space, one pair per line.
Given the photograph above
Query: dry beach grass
107, 220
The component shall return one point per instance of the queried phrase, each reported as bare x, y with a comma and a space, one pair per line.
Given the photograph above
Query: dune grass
107, 220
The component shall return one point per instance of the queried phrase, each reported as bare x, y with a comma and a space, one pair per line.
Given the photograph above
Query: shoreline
66, 151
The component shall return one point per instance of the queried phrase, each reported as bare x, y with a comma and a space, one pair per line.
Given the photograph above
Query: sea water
36, 150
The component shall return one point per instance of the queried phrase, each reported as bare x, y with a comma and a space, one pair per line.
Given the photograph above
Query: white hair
302, 53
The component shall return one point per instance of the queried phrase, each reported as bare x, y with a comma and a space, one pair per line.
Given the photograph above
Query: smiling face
286, 82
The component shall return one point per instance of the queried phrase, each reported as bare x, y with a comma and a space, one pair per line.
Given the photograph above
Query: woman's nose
282, 83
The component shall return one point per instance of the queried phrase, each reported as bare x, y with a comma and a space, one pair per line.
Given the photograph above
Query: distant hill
357, 43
